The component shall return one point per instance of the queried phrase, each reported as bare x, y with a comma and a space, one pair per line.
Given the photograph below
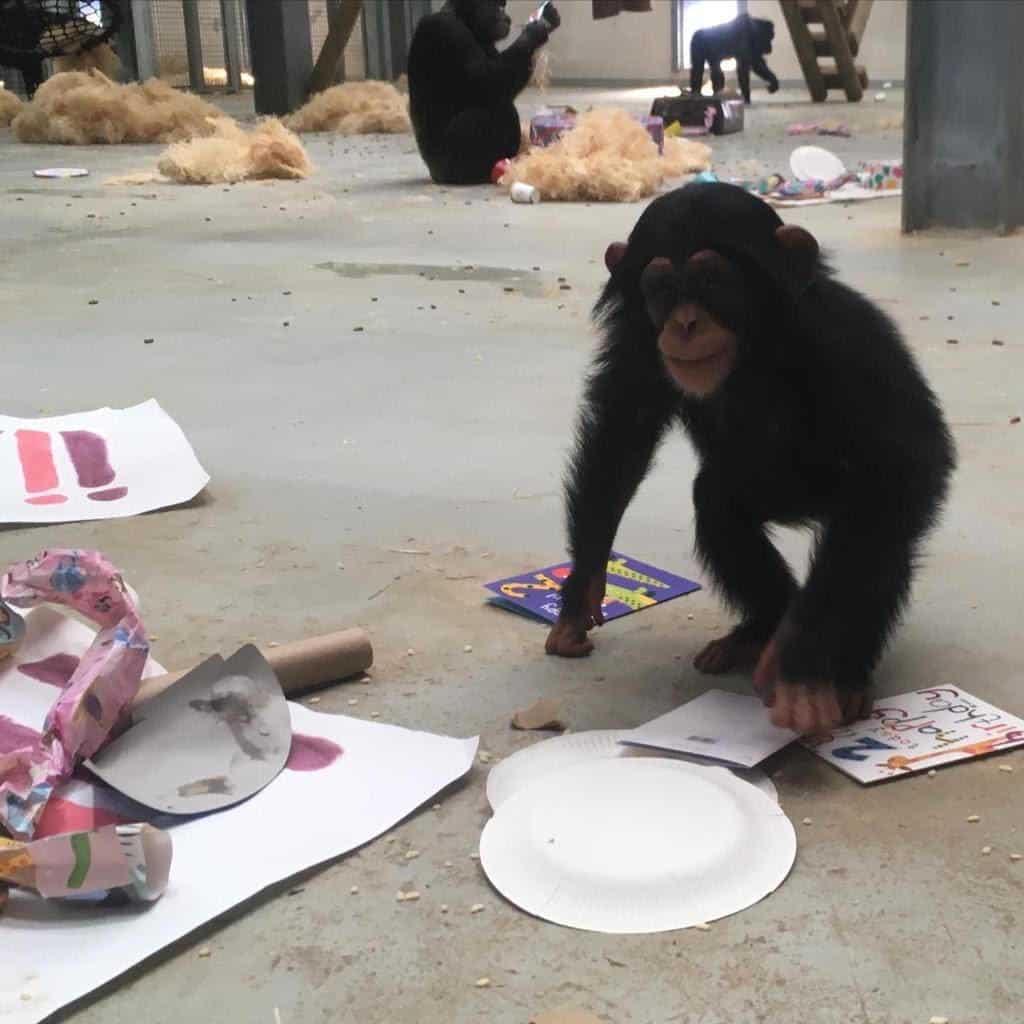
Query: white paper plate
560, 752
812, 163
61, 172
637, 845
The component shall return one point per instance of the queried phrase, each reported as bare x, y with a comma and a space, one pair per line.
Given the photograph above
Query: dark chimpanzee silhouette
462, 90
746, 39
805, 407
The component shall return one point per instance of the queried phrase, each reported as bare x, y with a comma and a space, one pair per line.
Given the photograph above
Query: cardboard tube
300, 665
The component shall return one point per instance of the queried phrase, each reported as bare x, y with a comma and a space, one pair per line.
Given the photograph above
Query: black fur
825, 420
462, 90
746, 39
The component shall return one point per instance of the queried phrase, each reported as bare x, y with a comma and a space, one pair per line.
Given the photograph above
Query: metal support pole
194, 45
963, 141
282, 53
230, 24
139, 49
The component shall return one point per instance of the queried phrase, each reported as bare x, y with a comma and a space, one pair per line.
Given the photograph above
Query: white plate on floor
559, 752
812, 163
637, 845
61, 172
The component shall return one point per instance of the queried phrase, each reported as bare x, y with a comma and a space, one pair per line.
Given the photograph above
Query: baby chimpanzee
745, 38
805, 407
462, 90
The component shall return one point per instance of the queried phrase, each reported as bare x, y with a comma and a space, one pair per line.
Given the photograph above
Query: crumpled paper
98, 693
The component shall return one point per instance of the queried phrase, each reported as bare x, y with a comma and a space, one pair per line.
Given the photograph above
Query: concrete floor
443, 427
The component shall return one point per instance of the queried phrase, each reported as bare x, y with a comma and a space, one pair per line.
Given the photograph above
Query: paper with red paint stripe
102, 464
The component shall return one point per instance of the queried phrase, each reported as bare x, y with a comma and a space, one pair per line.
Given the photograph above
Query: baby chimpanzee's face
487, 19
700, 314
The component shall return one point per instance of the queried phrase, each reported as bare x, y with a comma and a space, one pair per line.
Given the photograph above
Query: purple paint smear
311, 753
111, 494
88, 452
55, 670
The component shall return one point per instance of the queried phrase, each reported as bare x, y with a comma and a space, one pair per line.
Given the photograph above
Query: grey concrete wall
964, 134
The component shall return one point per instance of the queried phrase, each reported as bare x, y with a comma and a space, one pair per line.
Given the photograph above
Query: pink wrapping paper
97, 694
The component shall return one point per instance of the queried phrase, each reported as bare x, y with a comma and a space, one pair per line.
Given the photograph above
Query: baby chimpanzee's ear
800, 250
613, 255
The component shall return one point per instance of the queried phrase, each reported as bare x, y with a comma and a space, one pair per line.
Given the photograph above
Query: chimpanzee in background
746, 39
805, 407
462, 90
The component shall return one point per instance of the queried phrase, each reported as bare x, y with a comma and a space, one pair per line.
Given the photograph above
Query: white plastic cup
522, 192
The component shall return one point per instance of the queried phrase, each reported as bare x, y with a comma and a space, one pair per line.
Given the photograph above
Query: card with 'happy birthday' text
917, 731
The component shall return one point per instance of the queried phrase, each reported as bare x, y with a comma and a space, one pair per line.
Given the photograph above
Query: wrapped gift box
721, 114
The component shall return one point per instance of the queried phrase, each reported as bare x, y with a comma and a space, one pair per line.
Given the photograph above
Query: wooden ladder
842, 23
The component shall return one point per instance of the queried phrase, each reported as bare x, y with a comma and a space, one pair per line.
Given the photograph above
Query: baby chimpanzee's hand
810, 709
568, 637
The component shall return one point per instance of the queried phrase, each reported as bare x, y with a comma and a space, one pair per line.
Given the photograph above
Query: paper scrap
726, 727
91, 698
632, 586
915, 731
131, 860
95, 465
544, 713
235, 719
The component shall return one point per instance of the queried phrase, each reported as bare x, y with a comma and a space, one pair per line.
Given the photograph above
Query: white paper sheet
54, 954
726, 727
101, 464
915, 731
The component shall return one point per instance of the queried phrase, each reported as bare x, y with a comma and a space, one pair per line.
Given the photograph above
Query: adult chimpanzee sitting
462, 90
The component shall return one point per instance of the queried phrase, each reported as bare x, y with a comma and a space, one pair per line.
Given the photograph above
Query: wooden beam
339, 31
835, 30
804, 46
858, 19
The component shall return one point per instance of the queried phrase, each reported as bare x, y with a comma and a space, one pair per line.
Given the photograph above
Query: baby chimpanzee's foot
733, 652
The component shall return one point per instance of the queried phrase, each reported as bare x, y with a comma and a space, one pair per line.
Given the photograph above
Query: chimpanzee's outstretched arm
627, 407
837, 626
750, 573
505, 75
